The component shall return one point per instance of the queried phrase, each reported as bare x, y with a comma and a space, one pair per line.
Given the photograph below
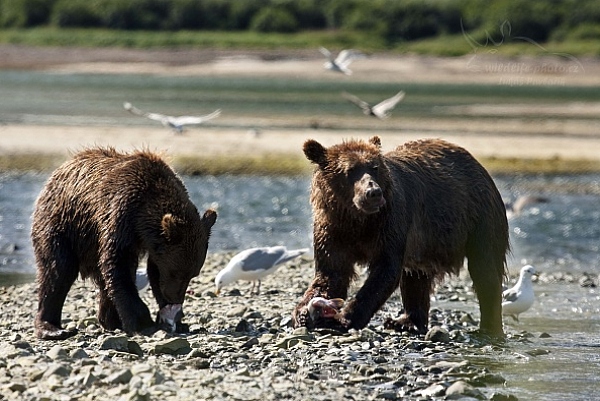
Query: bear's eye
351, 171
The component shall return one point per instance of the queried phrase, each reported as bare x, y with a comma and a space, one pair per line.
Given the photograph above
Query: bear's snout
368, 195
374, 192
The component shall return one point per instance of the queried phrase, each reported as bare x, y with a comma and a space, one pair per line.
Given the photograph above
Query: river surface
562, 234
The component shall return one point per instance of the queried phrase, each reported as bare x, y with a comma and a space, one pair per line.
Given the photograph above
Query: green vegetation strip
264, 165
540, 166
283, 164
79, 37
444, 45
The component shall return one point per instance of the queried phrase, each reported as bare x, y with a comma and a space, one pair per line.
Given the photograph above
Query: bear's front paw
403, 323
137, 321
47, 331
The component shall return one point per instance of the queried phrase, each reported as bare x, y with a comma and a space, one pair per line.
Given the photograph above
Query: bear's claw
403, 324
50, 332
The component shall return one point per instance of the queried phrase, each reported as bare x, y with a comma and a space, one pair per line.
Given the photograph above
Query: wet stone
537, 352
17, 387
134, 348
174, 346
117, 343
488, 378
243, 326
250, 343
460, 389
79, 354
437, 334
89, 379
57, 370
140, 368
503, 397
121, 377
435, 390
237, 311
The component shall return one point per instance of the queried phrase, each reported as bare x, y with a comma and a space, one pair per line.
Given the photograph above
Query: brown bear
97, 215
411, 216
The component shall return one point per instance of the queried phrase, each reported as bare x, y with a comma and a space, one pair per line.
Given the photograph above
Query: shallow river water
560, 235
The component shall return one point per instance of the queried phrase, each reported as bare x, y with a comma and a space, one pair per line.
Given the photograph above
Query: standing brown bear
411, 216
97, 215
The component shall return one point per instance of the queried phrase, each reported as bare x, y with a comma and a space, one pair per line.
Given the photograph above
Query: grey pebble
437, 334
121, 377
174, 346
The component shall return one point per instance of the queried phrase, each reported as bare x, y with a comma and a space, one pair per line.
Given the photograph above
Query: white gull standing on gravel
174, 122
519, 298
141, 279
254, 264
342, 61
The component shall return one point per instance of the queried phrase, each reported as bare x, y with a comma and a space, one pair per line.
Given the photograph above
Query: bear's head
353, 173
180, 255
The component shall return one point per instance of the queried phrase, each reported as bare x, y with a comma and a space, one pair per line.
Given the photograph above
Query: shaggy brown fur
411, 216
98, 215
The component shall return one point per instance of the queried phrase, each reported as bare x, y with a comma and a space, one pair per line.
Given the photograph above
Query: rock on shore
241, 348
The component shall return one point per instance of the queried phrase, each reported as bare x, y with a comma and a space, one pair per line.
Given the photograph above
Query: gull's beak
218, 291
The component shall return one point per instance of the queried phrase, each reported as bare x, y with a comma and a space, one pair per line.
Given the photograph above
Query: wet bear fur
410, 216
97, 215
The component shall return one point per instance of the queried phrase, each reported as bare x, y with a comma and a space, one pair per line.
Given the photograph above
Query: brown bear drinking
411, 216
97, 216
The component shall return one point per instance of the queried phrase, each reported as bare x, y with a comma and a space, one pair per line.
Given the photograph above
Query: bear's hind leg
55, 278
415, 289
486, 272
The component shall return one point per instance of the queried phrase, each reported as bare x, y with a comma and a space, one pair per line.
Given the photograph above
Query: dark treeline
392, 20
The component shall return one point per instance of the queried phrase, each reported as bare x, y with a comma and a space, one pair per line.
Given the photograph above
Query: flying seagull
519, 298
254, 264
342, 61
515, 208
173, 122
381, 110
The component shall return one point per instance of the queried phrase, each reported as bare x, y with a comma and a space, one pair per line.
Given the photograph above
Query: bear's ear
376, 141
209, 218
171, 228
315, 152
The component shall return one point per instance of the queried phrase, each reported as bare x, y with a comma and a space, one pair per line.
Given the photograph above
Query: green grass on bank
47, 36
284, 164
264, 165
446, 45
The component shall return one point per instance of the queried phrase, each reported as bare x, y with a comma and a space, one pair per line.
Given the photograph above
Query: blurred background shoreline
523, 113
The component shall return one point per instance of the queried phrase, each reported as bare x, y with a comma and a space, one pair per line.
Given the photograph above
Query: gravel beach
242, 348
